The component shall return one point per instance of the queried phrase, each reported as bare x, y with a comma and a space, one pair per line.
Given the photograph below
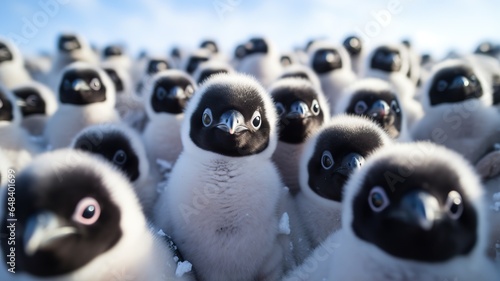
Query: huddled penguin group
333, 161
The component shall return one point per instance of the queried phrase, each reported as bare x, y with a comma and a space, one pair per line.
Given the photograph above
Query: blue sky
433, 26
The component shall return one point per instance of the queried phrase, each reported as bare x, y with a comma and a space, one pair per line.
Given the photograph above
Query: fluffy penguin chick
333, 66
37, 103
12, 70
14, 140
123, 148
196, 58
458, 111
209, 68
81, 221
261, 60
375, 99
302, 110
330, 157
354, 46
301, 71
169, 93
116, 56
86, 97
220, 204
413, 212
152, 67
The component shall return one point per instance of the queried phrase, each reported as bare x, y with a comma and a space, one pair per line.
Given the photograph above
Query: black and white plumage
209, 68
37, 103
152, 66
115, 55
333, 67
301, 71
12, 70
224, 214
81, 221
195, 58
413, 212
86, 97
302, 110
329, 158
354, 47
458, 111
4, 167
376, 99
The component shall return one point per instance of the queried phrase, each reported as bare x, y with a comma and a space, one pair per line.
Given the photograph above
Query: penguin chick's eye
360, 107
442, 85
280, 109
87, 211
120, 157
315, 107
32, 100
161, 93
378, 199
206, 118
327, 160
66, 84
95, 84
395, 106
454, 205
256, 120
189, 91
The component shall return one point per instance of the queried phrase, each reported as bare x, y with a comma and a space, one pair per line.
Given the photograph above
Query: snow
284, 226
182, 268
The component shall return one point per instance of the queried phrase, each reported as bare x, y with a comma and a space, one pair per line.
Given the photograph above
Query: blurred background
434, 27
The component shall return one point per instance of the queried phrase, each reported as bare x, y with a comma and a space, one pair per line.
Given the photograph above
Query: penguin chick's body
413, 212
12, 70
220, 205
333, 67
76, 203
302, 110
329, 158
86, 97
209, 68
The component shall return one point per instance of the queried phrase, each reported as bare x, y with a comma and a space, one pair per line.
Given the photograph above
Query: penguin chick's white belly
15, 144
224, 217
68, 120
287, 158
162, 138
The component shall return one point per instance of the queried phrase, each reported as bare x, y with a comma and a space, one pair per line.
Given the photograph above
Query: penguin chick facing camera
12, 70
220, 204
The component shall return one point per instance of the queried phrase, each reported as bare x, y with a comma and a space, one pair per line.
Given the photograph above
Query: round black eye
395, 106
66, 84
442, 85
360, 107
454, 205
378, 199
280, 109
327, 160
89, 212
120, 157
315, 107
161, 93
207, 117
95, 84
32, 100
256, 120
189, 91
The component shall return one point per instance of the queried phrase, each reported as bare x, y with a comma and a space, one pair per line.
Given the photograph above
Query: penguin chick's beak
232, 122
298, 110
177, 93
42, 229
379, 110
350, 163
80, 85
418, 208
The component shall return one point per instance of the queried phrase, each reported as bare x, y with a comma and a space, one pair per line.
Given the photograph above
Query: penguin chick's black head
325, 60
382, 107
425, 216
454, 84
156, 65
67, 219
6, 107
210, 45
207, 72
230, 119
339, 150
113, 51
30, 102
82, 86
5, 53
114, 146
353, 45
387, 59
257, 46
117, 81
68, 43
299, 110
195, 60
171, 93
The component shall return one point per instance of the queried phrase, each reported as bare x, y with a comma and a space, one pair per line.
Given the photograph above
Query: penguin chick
86, 97
197, 57
375, 99
209, 68
301, 71
302, 110
333, 67
12, 70
37, 103
152, 67
414, 212
458, 111
123, 148
80, 221
229, 134
260, 60
329, 158
354, 47
4, 168
115, 55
